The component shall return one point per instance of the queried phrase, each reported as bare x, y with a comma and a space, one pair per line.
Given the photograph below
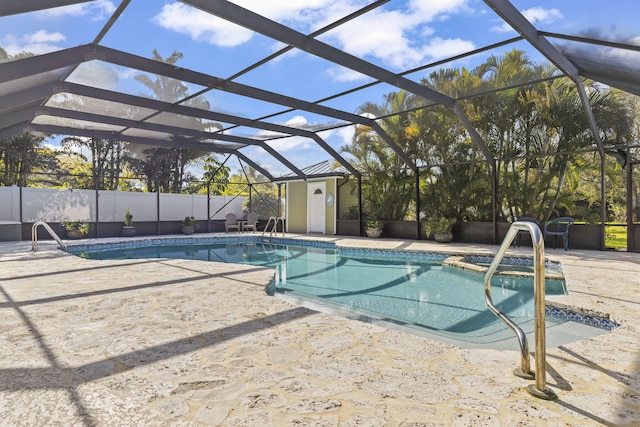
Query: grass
615, 237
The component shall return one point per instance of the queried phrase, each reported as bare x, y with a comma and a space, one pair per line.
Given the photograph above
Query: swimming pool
411, 289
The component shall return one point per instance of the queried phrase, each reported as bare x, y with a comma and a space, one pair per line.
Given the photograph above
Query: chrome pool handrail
34, 236
274, 229
539, 390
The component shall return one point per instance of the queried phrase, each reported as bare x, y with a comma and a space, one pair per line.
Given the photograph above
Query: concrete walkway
192, 343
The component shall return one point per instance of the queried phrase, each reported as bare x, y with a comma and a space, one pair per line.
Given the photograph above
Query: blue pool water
410, 289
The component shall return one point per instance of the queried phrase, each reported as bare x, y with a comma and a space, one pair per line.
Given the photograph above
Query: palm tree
165, 168
389, 184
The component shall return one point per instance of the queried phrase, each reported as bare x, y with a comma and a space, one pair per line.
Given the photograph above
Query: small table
241, 223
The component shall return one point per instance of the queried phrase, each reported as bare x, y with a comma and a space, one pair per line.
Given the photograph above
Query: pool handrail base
539, 390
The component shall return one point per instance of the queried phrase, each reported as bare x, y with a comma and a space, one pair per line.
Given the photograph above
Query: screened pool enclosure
484, 111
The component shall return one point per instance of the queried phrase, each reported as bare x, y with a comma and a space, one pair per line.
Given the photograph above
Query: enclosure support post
20, 185
359, 205
97, 190
603, 201
419, 231
630, 204
279, 199
494, 199
158, 207
209, 206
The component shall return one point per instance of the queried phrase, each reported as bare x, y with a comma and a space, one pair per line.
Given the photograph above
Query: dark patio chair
559, 227
521, 233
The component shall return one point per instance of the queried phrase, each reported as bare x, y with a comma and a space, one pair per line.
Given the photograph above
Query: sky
399, 36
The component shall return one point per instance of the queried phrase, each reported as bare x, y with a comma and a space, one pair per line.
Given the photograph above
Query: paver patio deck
193, 343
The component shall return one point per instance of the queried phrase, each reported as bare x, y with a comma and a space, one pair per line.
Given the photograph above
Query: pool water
415, 291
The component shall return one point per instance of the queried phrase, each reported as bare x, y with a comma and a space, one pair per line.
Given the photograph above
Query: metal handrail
274, 229
34, 236
539, 390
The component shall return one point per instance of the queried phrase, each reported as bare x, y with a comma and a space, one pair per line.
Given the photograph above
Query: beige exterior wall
330, 217
348, 196
297, 207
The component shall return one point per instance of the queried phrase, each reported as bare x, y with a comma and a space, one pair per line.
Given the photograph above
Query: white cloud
535, 15
429, 10
292, 142
43, 41
399, 37
345, 134
43, 36
341, 74
390, 35
97, 9
37, 43
439, 48
279, 10
201, 26
538, 14
296, 121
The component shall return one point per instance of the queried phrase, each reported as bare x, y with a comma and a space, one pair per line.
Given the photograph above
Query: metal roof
62, 93
323, 169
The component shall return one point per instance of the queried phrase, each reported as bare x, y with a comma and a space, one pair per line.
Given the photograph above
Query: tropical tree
262, 195
215, 177
455, 173
536, 132
75, 171
106, 157
22, 156
388, 186
164, 168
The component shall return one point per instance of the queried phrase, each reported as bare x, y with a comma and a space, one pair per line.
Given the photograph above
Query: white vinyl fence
52, 205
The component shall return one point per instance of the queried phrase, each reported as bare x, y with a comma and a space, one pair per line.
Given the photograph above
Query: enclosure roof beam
11, 131
33, 65
74, 56
24, 115
518, 22
162, 106
181, 143
105, 134
475, 136
156, 127
154, 104
16, 7
399, 151
211, 82
24, 98
255, 22
156, 67
248, 19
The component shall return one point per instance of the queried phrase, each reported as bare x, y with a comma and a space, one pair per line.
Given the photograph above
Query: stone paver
192, 343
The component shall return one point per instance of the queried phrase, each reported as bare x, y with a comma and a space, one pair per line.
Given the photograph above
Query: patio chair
231, 222
516, 241
559, 227
252, 222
